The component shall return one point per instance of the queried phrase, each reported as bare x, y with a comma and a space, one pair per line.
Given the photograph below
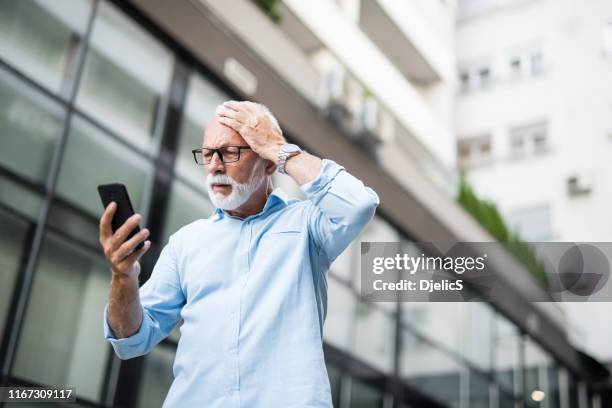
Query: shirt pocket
281, 234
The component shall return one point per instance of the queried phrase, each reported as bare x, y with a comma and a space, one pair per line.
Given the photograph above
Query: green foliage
270, 8
486, 213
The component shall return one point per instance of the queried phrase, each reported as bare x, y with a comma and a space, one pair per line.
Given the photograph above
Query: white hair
267, 112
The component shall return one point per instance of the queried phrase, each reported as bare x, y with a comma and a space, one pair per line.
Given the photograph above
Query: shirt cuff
329, 170
134, 340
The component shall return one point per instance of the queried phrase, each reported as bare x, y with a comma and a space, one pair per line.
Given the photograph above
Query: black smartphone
118, 193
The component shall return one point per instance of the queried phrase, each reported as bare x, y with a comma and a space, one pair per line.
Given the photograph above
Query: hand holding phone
120, 236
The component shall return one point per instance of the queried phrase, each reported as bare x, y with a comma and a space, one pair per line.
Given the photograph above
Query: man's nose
216, 165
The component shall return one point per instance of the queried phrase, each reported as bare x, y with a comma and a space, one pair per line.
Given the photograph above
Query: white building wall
573, 95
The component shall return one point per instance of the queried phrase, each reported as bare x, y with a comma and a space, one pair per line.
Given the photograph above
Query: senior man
250, 281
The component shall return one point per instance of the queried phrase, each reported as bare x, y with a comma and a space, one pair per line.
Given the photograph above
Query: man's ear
270, 167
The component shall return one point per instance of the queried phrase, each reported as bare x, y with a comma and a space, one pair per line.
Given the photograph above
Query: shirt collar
277, 197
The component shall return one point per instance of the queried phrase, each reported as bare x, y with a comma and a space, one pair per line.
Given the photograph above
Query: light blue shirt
252, 294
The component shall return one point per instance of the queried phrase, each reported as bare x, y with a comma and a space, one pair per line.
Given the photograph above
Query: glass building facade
90, 93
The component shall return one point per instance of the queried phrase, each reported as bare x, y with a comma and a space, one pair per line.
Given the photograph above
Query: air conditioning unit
579, 184
333, 86
334, 91
369, 114
386, 127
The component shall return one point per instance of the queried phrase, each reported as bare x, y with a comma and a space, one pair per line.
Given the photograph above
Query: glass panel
335, 379
347, 263
92, 158
537, 381
477, 334
157, 377
443, 322
185, 206
76, 225
506, 399
61, 342
554, 392
365, 396
12, 238
507, 343
340, 309
430, 370
30, 126
479, 391
123, 86
374, 336
40, 38
202, 99
19, 199
378, 230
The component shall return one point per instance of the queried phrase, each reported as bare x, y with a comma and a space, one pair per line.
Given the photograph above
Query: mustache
220, 179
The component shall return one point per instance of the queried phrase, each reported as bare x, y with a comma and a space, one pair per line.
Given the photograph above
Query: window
340, 308
475, 77
19, 199
478, 390
517, 145
374, 336
335, 382
540, 374
533, 223
185, 205
430, 370
40, 38
465, 81
516, 67
474, 151
365, 396
93, 158
124, 86
537, 62
529, 140
527, 63
507, 352
30, 125
378, 230
157, 376
13, 235
61, 342
484, 75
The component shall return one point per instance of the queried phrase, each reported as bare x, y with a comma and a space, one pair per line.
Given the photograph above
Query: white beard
240, 192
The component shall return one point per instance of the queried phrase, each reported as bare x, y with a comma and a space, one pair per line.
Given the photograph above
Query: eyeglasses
227, 154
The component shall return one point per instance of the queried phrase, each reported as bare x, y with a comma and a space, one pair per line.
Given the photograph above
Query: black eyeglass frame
218, 151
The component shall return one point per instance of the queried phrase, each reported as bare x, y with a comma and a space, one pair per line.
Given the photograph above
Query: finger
225, 112
234, 105
134, 256
232, 123
105, 221
128, 246
122, 232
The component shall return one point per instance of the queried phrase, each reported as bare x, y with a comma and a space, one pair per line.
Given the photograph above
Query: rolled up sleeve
161, 300
341, 207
